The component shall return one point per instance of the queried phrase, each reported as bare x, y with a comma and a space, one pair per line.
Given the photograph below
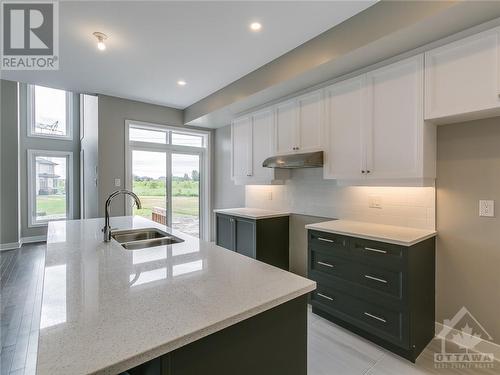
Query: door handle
375, 317
324, 296
376, 250
325, 264
324, 239
376, 279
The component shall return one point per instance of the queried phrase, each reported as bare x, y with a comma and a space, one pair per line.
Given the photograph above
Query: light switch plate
487, 208
118, 182
375, 201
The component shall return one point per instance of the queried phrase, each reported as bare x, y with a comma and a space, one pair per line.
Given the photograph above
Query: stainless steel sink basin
134, 239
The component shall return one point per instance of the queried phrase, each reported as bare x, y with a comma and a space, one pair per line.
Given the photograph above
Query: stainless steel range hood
292, 161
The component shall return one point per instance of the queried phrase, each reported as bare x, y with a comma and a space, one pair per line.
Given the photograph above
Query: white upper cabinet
395, 120
375, 128
286, 124
345, 106
299, 124
463, 78
262, 144
241, 147
310, 122
252, 142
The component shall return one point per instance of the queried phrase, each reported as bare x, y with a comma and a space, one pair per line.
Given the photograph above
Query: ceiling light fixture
101, 37
181, 82
255, 26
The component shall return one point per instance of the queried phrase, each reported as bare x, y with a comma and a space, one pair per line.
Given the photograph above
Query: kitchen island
185, 308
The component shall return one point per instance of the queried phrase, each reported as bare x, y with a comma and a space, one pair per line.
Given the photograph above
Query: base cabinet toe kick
381, 291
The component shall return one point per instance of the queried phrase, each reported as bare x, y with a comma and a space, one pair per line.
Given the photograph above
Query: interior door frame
205, 162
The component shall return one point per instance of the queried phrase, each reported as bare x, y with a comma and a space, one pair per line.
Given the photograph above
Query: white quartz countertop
251, 213
106, 309
379, 232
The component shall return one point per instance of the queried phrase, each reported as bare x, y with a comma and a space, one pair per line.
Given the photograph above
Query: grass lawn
51, 205
181, 206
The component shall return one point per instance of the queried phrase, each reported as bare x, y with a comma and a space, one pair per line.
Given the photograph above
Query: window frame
204, 153
32, 121
31, 170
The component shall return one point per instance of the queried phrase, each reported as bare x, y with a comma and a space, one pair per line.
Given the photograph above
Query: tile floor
332, 350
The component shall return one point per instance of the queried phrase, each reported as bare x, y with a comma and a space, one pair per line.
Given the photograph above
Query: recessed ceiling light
255, 26
101, 37
181, 82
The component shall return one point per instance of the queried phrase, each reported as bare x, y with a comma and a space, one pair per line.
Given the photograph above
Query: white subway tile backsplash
307, 193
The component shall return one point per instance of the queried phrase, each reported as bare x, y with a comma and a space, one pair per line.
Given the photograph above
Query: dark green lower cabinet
271, 343
262, 239
381, 291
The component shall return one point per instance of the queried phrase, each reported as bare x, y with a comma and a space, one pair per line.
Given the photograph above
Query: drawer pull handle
324, 296
376, 279
375, 317
324, 239
376, 250
326, 264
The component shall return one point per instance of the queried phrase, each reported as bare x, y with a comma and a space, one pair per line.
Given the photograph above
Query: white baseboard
17, 245
10, 246
33, 239
484, 346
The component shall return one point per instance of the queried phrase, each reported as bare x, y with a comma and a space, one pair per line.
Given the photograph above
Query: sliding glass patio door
166, 170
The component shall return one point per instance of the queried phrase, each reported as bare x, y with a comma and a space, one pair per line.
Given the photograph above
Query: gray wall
9, 183
32, 143
89, 127
225, 193
468, 246
112, 115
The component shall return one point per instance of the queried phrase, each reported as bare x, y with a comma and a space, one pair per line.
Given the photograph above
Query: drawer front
330, 242
327, 265
378, 279
388, 324
378, 253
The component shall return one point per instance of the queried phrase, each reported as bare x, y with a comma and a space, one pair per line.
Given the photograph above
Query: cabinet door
241, 156
395, 120
286, 123
310, 122
345, 124
245, 237
225, 231
262, 144
463, 76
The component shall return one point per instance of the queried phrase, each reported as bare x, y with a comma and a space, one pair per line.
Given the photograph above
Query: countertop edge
227, 211
190, 338
374, 238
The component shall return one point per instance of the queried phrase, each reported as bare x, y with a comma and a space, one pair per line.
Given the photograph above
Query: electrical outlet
375, 201
487, 208
118, 182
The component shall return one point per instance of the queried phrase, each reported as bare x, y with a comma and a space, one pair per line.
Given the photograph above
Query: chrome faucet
107, 228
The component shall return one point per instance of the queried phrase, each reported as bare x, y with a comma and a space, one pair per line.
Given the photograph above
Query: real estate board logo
30, 39
465, 331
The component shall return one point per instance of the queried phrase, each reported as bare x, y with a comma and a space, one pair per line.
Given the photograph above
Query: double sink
134, 239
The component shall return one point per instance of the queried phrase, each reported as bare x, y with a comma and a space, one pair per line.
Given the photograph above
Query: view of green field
51, 206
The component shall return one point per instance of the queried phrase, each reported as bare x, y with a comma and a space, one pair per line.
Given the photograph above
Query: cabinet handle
367, 171
376, 250
375, 317
324, 239
326, 264
324, 296
376, 279
362, 171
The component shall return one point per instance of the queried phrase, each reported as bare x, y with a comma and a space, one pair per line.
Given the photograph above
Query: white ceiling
151, 45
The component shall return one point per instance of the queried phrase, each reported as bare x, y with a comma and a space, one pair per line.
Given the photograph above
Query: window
49, 112
49, 184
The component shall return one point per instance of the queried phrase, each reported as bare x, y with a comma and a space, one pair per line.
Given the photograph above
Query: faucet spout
107, 228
